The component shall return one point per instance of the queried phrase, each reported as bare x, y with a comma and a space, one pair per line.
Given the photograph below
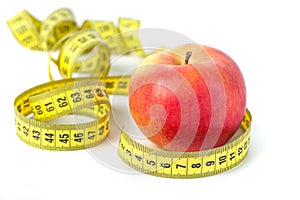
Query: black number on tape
49, 137
196, 165
36, 134
240, 150
76, 97
99, 92
107, 125
122, 146
22, 29
25, 131
49, 107
101, 130
128, 152
122, 84
180, 166
109, 84
151, 162
62, 102
139, 158
78, 137
38, 109
82, 40
232, 156
245, 145
64, 138
89, 94
210, 163
165, 165
222, 159
91, 135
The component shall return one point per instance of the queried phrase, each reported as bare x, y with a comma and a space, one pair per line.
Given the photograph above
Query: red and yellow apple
189, 98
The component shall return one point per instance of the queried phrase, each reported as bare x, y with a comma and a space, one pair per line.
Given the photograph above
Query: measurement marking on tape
186, 164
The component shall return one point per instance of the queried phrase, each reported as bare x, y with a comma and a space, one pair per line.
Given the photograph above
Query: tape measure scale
87, 50
84, 96
25, 28
186, 164
57, 25
60, 32
79, 45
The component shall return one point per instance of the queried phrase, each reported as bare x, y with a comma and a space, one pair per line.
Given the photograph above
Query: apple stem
187, 57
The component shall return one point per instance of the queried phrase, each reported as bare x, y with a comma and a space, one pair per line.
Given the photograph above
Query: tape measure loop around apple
186, 164
87, 49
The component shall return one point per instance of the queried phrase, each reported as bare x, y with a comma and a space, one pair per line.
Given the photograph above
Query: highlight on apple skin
189, 98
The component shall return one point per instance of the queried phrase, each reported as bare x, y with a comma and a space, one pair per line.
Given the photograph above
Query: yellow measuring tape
84, 96
84, 49
186, 164
87, 49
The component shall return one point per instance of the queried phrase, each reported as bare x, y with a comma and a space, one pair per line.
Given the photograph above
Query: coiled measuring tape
90, 97
84, 96
60, 31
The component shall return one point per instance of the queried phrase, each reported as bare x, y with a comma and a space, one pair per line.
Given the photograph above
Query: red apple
190, 98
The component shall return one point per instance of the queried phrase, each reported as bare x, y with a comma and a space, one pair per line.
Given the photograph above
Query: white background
261, 36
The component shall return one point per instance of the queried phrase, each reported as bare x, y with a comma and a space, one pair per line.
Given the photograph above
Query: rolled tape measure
84, 96
87, 50
76, 44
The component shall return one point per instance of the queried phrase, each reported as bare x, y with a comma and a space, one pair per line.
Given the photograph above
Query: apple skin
191, 106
